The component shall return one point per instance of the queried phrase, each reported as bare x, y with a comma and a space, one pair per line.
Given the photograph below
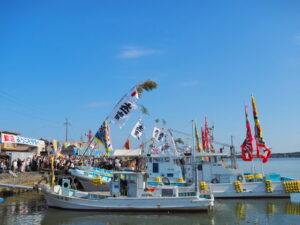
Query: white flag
155, 133
123, 111
137, 130
161, 135
134, 94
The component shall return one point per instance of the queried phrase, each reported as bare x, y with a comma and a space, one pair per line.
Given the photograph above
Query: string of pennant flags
119, 116
128, 104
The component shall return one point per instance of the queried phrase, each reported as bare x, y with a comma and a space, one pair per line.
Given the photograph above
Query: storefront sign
9, 138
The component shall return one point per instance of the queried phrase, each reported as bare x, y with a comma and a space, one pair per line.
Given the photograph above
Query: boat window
116, 177
155, 159
167, 192
131, 177
200, 167
187, 160
155, 168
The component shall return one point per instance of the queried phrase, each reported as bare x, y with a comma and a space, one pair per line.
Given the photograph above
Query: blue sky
76, 59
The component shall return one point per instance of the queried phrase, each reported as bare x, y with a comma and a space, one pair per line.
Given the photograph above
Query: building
16, 146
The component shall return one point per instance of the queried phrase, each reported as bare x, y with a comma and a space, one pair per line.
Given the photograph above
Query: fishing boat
91, 178
129, 192
224, 179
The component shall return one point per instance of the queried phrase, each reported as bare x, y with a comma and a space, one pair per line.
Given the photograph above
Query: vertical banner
155, 133
247, 147
137, 130
262, 150
123, 111
199, 148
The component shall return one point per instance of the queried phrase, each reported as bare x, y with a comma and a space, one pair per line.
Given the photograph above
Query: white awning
127, 152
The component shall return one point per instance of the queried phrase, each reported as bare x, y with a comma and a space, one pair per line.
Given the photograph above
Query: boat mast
194, 158
232, 153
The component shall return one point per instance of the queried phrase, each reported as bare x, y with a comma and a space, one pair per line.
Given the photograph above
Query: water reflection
31, 208
55, 216
26, 208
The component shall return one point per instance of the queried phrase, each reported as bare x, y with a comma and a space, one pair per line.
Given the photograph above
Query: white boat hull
128, 203
295, 197
88, 185
250, 190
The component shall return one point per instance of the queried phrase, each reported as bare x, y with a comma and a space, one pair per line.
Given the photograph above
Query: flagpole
194, 159
253, 167
262, 168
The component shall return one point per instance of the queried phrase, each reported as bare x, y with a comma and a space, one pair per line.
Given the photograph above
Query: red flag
203, 139
127, 144
247, 147
209, 146
135, 94
89, 135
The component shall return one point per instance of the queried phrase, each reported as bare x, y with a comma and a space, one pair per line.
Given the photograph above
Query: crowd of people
66, 162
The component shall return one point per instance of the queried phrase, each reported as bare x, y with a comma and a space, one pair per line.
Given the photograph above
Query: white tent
127, 152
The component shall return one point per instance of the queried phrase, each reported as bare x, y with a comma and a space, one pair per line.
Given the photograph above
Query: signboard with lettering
9, 138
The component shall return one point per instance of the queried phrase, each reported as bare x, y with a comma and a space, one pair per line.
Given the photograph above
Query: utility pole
67, 124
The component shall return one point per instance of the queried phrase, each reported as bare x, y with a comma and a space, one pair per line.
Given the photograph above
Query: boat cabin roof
211, 154
128, 172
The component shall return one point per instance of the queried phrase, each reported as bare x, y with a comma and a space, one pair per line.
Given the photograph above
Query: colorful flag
137, 130
199, 148
208, 144
122, 111
127, 144
89, 135
262, 150
247, 147
204, 145
103, 136
55, 145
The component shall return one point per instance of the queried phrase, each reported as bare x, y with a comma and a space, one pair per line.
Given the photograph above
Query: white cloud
96, 104
189, 83
130, 52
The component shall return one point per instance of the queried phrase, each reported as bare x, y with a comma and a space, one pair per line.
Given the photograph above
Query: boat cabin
129, 184
133, 184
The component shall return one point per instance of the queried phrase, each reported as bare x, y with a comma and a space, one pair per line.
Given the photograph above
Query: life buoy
66, 183
215, 181
166, 181
239, 177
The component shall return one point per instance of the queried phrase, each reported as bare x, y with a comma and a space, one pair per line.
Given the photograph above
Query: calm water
31, 208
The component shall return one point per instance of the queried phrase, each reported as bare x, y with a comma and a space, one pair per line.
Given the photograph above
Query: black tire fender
215, 181
239, 177
166, 181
